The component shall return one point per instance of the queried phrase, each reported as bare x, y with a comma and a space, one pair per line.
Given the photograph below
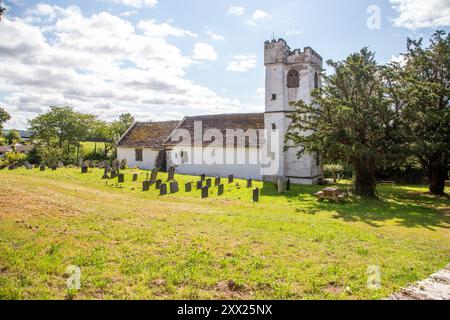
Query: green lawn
131, 244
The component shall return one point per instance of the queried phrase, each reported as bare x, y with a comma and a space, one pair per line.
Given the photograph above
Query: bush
14, 158
50, 155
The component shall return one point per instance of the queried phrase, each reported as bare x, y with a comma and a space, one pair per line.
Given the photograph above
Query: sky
165, 59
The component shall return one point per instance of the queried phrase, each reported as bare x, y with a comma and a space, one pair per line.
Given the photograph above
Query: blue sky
163, 59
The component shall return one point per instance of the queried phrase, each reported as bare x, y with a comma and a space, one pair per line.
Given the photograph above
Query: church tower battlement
291, 75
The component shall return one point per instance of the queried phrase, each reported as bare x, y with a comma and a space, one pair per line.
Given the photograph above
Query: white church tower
290, 76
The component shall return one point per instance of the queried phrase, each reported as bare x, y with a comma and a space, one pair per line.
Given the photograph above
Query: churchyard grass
134, 244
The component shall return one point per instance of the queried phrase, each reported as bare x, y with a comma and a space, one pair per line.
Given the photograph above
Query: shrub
14, 158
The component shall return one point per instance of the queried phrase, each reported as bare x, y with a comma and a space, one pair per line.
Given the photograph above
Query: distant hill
23, 133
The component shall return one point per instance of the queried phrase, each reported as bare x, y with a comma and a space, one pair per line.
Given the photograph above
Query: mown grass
132, 244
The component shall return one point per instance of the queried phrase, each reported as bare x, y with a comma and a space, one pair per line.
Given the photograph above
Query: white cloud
236, 11
203, 51
153, 29
259, 16
214, 36
242, 63
128, 13
98, 64
137, 3
293, 32
416, 14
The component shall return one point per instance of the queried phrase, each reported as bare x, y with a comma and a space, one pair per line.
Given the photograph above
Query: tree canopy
4, 116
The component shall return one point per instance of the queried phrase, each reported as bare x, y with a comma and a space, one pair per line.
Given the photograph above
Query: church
247, 145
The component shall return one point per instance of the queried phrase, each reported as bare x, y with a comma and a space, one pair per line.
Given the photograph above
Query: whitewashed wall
148, 157
245, 170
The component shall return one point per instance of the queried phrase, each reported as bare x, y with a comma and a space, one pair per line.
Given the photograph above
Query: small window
317, 158
138, 154
274, 96
293, 79
274, 126
316, 81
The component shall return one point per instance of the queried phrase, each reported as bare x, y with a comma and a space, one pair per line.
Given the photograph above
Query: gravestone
28, 166
113, 174
170, 173
199, 184
121, 178
280, 185
256, 195
153, 176
208, 182
84, 169
230, 178
105, 174
220, 190
158, 183
188, 187
216, 181
101, 164
11, 167
54, 167
173, 187
60, 164
135, 176
162, 189
123, 164
42, 167
205, 192
288, 184
145, 185
249, 183
203, 177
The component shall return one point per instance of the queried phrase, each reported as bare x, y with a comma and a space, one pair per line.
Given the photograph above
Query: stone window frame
316, 81
293, 78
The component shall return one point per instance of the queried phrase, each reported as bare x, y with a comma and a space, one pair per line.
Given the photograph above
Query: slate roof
222, 122
147, 134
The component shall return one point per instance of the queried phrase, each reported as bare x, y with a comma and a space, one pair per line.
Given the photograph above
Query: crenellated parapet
277, 51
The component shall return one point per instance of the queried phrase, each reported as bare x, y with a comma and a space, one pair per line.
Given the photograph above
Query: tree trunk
437, 172
364, 184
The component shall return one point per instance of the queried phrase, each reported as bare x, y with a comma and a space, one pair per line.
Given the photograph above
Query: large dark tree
354, 123
2, 10
427, 111
419, 89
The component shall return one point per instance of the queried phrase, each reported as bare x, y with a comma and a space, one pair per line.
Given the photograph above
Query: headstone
280, 185
205, 192
158, 183
123, 164
153, 176
28, 166
208, 182
101, 164
11, 167
162, 189
216, 181
108, 168
220, 190
92, 165
145, 185
135, 176
121, 178
288, 184
199, 184
54, 167
173, 187
188, 187
170, 173
113, 174
105, 174
249, 183
203, 177
42, 167
256, 195
84, 169
230, 178
60, 164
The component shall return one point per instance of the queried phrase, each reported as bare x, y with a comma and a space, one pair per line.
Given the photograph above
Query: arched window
293, 79
316, 81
